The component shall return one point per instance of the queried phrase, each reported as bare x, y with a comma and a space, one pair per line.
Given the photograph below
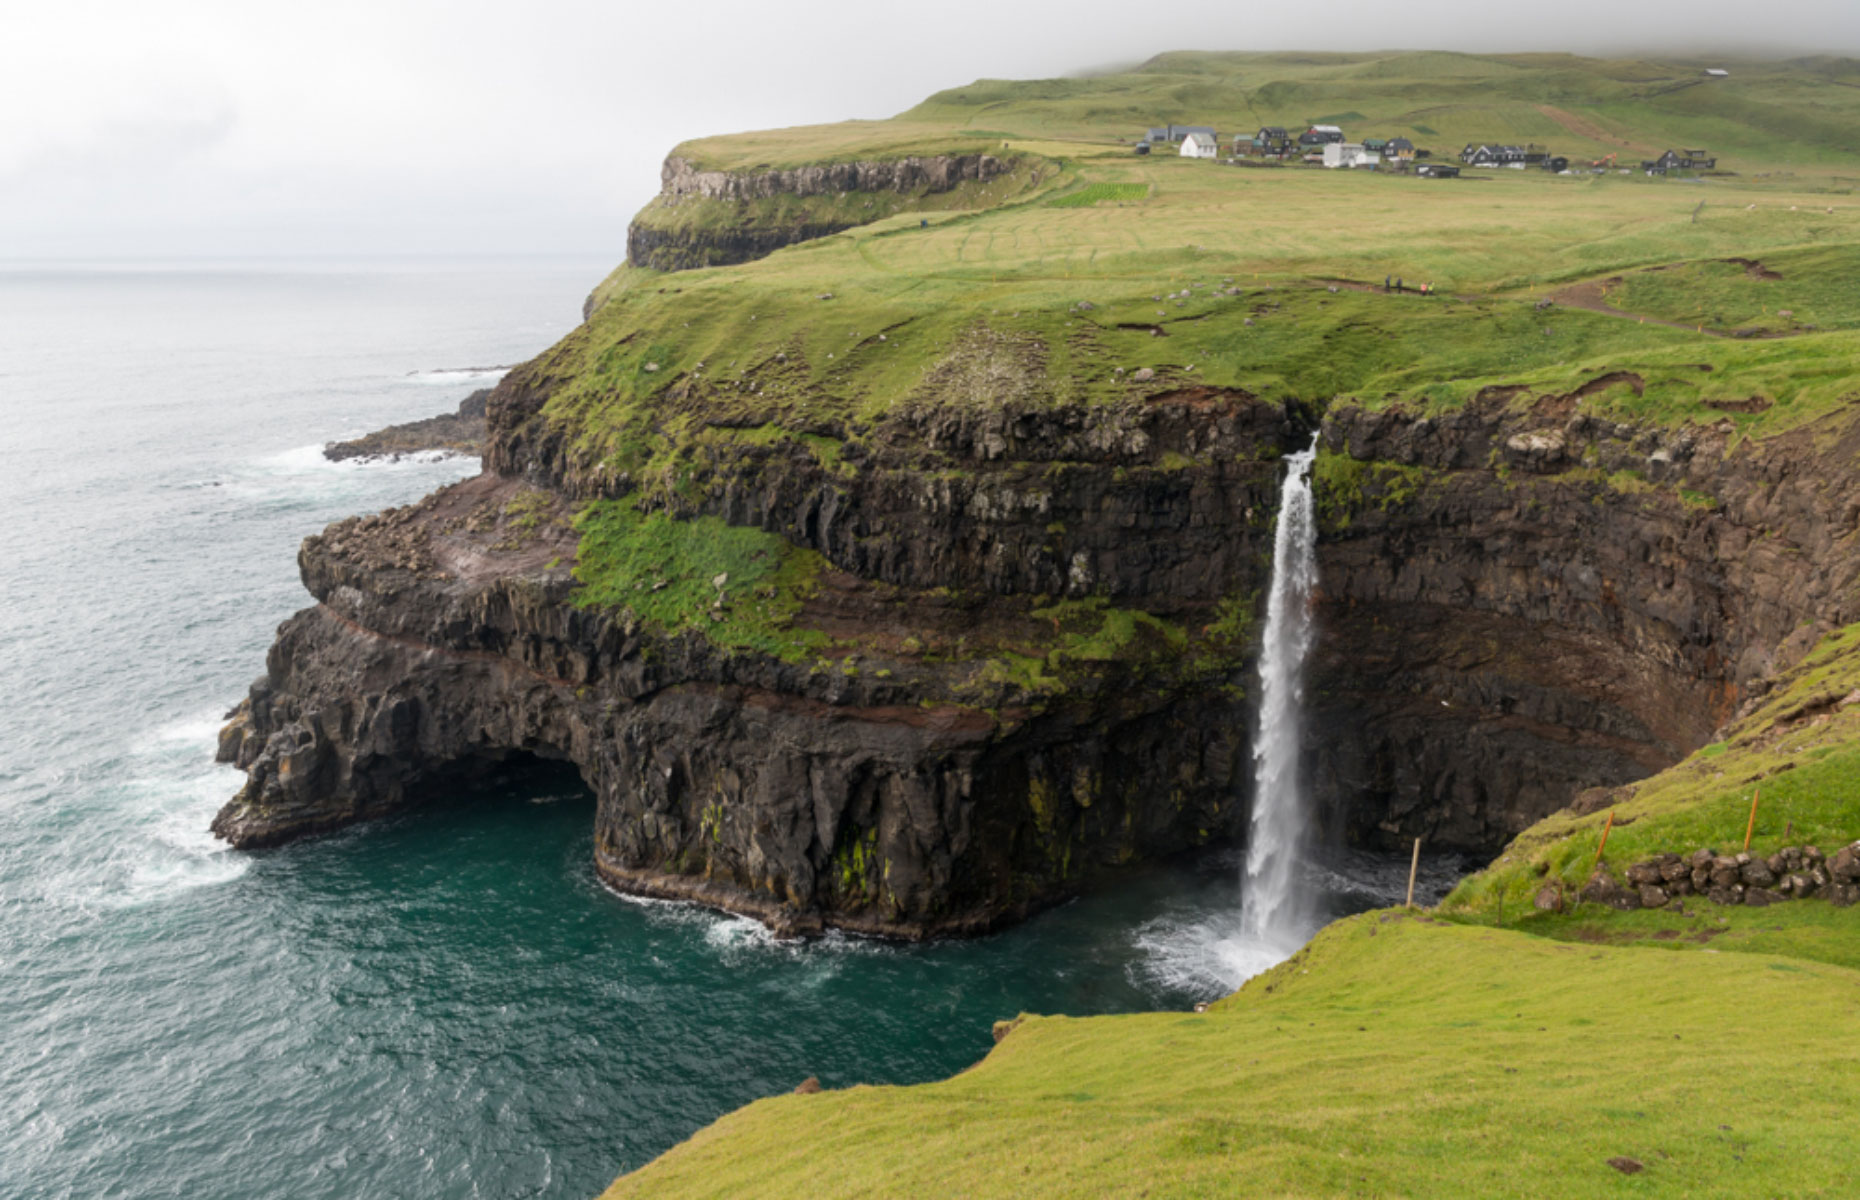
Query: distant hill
1799, 114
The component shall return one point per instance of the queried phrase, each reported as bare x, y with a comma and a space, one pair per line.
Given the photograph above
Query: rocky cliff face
663, 238
1525, 598
1518, 601
916, 173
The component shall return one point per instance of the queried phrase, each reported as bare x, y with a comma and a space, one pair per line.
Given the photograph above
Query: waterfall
1271, 908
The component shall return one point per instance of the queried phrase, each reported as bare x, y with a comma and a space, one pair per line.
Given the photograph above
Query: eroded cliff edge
985, 654
711, 218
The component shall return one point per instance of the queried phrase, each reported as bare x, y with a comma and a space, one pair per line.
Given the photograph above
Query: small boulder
1144, 374
1756, 874
1842, 895
1758, 897
1734, 894
1602, 889
1645, 874
1653, 897
1549, 898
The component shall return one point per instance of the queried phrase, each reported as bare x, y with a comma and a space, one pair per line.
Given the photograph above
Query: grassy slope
1394, 1056
1800, 746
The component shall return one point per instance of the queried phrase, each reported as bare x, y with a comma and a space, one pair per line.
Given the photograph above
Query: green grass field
1394, 1056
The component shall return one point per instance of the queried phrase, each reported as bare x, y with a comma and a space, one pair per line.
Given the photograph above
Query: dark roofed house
1272, 139
1320, 135
1178, 132
1157, 133
1399, 148
1679, 160
1485, 155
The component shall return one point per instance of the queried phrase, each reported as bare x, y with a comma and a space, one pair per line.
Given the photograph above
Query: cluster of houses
1324, 145
1320, 145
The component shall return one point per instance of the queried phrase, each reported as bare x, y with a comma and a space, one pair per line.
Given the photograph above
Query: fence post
1414, 865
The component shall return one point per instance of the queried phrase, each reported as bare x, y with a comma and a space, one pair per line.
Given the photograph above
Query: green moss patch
671, 573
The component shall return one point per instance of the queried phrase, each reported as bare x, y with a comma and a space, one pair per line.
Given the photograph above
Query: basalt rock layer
1518, 601
756, 213
458, 432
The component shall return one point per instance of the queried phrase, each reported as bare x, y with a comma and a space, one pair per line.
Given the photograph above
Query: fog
241, 127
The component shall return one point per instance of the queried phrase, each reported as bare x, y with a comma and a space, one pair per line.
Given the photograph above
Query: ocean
447, 1004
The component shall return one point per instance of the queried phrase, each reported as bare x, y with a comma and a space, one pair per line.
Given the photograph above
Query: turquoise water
443, 1005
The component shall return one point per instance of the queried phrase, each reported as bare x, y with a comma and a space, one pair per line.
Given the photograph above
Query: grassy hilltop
1488, 1048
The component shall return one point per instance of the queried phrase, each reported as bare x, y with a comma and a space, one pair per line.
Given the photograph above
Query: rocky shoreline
461, 432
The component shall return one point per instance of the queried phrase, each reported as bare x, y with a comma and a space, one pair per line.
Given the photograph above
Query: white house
1349, 154
1200, 145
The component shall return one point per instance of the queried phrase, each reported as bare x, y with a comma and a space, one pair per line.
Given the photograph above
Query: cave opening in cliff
508, 777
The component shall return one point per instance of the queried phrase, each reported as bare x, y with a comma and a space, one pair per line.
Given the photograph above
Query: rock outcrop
460, 432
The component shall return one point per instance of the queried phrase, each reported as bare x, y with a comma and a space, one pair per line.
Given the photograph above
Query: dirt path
1583, 127
1592, 297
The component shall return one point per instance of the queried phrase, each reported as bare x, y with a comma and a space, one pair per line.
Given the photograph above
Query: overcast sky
229, 127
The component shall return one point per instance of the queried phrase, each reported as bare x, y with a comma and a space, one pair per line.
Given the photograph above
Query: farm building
1349, 154
1555, 162
1200, 145
1175, 133
1320, 135
1716, 73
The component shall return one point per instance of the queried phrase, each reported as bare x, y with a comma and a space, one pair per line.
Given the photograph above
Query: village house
1399, 149
1320, 135
1272, 139
1200, 145
1680, 160
1487, 155
1349, 154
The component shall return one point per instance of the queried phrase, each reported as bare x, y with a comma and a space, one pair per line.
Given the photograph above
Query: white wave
448, 376
172, 790
1209, 955
310, 460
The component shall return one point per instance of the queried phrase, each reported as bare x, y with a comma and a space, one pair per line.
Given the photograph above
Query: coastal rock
460, 432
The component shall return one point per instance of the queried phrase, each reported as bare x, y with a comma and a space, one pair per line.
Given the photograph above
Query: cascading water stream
1272, 910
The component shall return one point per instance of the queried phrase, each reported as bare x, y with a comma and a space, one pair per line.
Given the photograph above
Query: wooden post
1752, 827
1414, 864
1605, 831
